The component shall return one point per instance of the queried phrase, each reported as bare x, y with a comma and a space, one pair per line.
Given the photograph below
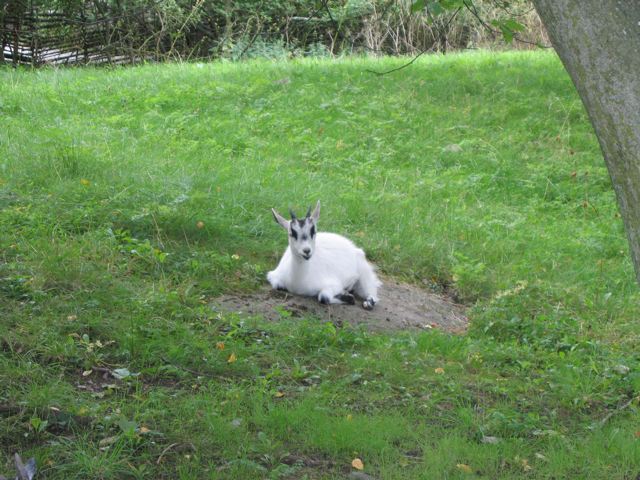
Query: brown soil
401, 307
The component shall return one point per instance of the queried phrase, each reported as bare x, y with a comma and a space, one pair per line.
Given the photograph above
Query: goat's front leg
274, 280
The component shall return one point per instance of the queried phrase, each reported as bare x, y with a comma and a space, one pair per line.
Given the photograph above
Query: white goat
323, 265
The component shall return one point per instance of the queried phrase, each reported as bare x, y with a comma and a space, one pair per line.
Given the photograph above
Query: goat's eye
313, 231
294, 234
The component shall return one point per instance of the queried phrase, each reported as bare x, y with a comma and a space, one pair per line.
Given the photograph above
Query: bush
115, 31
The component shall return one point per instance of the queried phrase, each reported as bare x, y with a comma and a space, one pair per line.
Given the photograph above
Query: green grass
105, 174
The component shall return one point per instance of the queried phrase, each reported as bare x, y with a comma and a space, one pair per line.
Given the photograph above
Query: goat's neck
300, 264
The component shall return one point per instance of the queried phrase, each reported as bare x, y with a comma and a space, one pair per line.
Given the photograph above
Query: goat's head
302, 231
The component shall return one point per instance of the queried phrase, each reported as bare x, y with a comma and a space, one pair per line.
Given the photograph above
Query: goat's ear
284, 223
316, 213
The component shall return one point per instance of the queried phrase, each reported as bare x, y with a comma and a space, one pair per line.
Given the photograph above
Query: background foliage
113, 30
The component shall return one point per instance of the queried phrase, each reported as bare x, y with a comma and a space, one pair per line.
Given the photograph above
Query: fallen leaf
122, 373
637, 434
86, 373
525, 465
349, 417
357, 464
621, 369
440, 371
200, 225
490, 440
232, 358
279, 395
464, 467
127, 426
108, 441
452, 148
220, 345
26, 471
545, 433
85, 182
144, 430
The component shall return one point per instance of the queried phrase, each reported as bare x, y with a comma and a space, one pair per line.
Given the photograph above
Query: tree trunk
598, 42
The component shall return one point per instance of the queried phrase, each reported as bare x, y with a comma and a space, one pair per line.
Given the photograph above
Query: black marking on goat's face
302, 236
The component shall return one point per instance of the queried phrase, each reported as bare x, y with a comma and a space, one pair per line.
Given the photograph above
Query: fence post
3, 37
83, 18
16, 40
33, 41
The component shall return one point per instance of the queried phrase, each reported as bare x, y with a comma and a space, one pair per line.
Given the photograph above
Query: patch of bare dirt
401, 307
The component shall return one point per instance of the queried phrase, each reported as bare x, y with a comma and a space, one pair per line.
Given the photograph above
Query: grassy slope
105, 174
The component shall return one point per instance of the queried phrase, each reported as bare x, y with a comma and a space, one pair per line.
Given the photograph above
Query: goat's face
302, 237
302, 232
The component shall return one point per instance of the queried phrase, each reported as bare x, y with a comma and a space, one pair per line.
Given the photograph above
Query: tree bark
598, 42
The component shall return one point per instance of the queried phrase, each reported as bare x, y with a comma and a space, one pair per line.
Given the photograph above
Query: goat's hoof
368, 304
323, 299
346, 298
280, 288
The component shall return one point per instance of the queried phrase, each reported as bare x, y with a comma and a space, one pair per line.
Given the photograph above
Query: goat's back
336, 258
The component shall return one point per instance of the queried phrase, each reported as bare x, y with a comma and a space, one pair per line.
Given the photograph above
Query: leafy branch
508, 28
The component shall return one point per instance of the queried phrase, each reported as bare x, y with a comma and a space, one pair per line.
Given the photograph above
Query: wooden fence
114, 32
55, 32
94, 33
